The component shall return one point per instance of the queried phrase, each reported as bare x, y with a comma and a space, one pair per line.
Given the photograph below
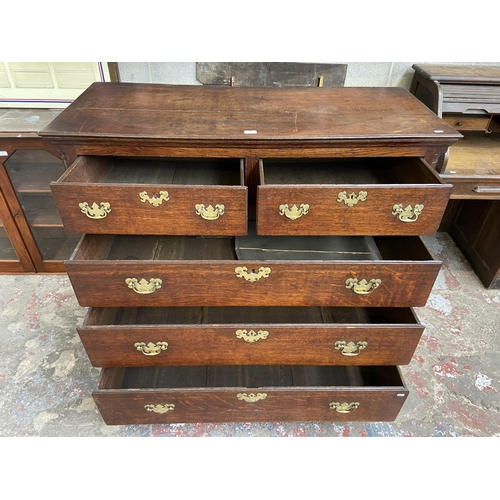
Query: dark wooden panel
271, 74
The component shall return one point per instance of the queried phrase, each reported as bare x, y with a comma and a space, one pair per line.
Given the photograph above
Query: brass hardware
155, 200
407, 214
352, 199
363, 287
294, 212
242, 272
251, 336
144, 286
251, 398
160, 408
151, 349
350, 348
209, 213
344, 407
96, 211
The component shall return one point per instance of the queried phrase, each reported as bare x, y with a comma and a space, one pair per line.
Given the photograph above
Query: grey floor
46, 379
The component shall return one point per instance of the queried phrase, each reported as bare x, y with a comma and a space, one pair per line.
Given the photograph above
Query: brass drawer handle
209, 213
160, 408
151, 349
294, 212
350, 348
344, 407
362, 287
144, 286
486, 189
352, 199
407, 214
251, 336
155, 200
95, 211
242, 272
251, 398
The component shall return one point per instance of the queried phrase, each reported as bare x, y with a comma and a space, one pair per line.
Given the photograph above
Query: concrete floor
46, 379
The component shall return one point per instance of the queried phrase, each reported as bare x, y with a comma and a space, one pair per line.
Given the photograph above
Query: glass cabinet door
31, 172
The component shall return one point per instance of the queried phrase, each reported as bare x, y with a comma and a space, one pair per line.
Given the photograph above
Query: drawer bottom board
197, 394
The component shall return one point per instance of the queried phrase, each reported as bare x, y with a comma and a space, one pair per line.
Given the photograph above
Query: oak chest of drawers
250, 254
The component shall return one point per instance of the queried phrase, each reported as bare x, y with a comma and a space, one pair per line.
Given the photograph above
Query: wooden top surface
244, 115
457, 73
14, 122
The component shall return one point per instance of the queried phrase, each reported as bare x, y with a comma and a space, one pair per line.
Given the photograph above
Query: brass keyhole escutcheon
242, 272
251, 336
351, 199
160, 408
251, 398
155, 200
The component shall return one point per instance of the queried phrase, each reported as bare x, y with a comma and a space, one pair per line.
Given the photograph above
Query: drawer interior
251, 376
346, 171
249, 315
191, 248
164, 171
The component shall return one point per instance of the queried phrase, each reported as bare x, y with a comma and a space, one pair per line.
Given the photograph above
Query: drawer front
136, 284
247, 344
146, 209
413, 207
464, 122
353, 400
101, 195
201, 406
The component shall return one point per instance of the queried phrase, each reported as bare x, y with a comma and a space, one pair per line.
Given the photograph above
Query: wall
359, 74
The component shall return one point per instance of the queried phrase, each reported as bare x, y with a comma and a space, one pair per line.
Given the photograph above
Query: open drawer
144, 271
199, 394
376, 196
155, 336
201, 196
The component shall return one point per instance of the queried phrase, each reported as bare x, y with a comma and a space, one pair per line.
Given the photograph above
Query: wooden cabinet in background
32, 237
468, 98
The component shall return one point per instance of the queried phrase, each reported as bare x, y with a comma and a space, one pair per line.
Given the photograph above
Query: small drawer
142, 271
464, 122
157, 336
470, 188
198, 394
376, 196
108, 195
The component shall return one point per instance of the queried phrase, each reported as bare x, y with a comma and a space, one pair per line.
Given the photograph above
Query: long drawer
101, 195
135, 271
157, 336
197, 394
376, 196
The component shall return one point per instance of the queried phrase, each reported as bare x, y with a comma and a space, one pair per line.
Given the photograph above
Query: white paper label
249, 131
4, 153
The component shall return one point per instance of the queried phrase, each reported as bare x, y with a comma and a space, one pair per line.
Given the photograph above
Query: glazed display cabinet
32, 237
